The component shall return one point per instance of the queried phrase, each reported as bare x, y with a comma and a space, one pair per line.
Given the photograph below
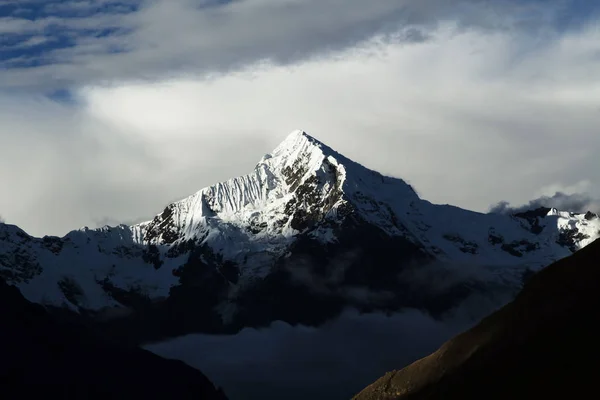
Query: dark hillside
71, 362
543, 344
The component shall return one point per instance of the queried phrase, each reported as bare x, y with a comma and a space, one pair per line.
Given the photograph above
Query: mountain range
305, 235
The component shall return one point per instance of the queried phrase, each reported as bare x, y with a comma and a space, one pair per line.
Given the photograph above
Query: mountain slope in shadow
39, 348
543, 344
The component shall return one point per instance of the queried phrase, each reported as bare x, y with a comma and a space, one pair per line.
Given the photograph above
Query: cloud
334, 361
88, 7
157, 38
438, 277
468, 112
330, 281
65, 169
35, 41
575, 202
424, 281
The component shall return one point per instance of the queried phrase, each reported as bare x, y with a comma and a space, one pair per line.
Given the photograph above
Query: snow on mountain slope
237, 234
78, 270
303, 183
299, 186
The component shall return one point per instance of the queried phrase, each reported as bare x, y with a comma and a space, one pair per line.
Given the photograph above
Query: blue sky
34, 31
122, 106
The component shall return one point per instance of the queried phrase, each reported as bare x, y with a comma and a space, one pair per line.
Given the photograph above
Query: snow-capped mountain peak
256, 199
305, 185
298, 184
294, 144
303, 205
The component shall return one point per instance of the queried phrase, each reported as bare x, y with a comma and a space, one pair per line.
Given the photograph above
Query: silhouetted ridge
37, 348
543, 344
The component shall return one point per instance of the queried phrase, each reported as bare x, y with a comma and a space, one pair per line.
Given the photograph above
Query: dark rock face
495, 239
39, 348
71, 289
53, 243
309, 206
162, 226
463, 245
533, 217
151, 255
20, 265
518, 247
541, 345
567, 238
515, 248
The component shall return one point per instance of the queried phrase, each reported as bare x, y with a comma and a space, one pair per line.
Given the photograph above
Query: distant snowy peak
301, 182
575, 230
304, 185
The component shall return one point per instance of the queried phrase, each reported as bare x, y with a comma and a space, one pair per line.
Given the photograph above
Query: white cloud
175, 36
470, 116
583, 186
35, 41
62, 169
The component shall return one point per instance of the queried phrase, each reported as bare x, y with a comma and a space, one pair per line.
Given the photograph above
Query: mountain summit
301, 183
305, 234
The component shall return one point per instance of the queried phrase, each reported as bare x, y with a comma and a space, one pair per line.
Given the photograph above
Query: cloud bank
334, 361
468, 103
339, 358
575, 202
146, 39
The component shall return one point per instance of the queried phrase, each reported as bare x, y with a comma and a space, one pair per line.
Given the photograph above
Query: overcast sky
111, 109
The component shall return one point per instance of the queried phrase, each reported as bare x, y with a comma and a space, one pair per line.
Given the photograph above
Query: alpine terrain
303, 236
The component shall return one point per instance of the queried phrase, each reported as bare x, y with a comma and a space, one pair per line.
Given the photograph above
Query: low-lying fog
332, 362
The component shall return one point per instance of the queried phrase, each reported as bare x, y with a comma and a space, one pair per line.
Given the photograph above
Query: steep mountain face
306, 234
541, 345
71, 362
